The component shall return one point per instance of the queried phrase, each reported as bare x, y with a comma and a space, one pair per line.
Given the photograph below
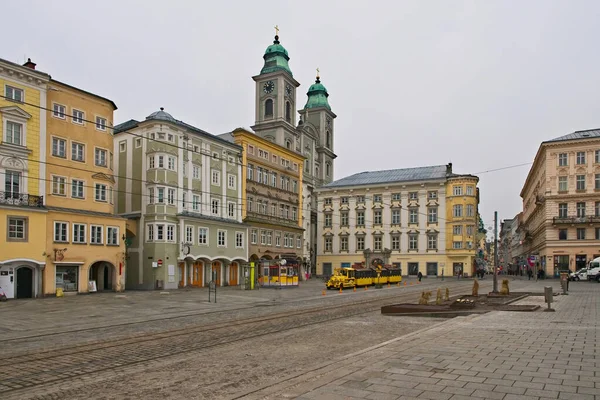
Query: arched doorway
24, 283
216, 271
104, 273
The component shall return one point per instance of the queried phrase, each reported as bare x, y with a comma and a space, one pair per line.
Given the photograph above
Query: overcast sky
476, 83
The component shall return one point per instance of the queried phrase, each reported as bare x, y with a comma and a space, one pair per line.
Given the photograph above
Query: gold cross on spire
318, 73
277, 30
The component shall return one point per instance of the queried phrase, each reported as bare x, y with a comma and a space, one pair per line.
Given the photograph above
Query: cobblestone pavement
499, 355
34, 365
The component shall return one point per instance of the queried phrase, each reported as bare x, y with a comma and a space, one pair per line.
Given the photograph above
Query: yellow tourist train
355, 277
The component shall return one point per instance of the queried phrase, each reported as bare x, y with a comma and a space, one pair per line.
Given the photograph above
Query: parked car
580, 274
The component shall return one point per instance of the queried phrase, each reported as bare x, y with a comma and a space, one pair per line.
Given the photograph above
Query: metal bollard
548, 295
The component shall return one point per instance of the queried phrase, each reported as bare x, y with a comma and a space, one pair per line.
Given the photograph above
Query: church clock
268, 87
288, 90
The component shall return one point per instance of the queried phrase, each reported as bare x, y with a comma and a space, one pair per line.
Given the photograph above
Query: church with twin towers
309, 131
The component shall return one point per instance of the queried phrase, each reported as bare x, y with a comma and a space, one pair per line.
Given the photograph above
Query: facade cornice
25, 75
276, 74
389, 186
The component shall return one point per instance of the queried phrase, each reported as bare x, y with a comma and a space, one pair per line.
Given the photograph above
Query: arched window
328, 140
269, 108
327, 168
288, 112
288, 144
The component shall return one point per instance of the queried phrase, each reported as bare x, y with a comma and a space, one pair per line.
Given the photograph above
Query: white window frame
231, 209
95, 227
253, 236
79, 228
215, 204
98, 151
79, 120
231, 181
66, 231
101, 123
170, 234
196, 202
149, 232
98, 192
224, 237
196, 172
189, 234
171, 163
59, 111
171, 196
58, 141
413, 242
22, 137
109, 237
75, 146
215, 177
59, 182
80, 185
239, 240
457, 190
14, 90
205, 237
122, 146
138, 143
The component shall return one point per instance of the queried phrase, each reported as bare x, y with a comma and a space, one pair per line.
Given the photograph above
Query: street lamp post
495, 290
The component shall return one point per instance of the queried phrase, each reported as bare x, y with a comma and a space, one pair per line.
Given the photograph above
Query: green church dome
276, 58
317, 96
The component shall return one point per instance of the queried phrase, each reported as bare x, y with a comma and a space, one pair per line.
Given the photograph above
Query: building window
470, 230
396, 197
432, 215
160, 195
413, 242
214, 206
239, 240
221, 238
470, 210
597, 181
457, 190
67, 278
269, 238
96, 234
470, 190
580, 182
562, 210
170, 233
195, 172
432, 195
457, 210
413, 196
231, 181
597, 209
14, 133
161, 161
160, 232
431, 242
597, 156
189, 234
231, 210
17, 229
581, 210
344, 243
395, 217
100, 192
580, 233
269, 108
77, 189
59, 185
277, 239
150, 230
101, 123
327, 220
360, 218
288, 112
563, 159
79, 233
377, 198
138, 143
360, 243
253, 236
328, 201
580, 157
14, 94
77, 152
377, 217
171, 163
563, 184
457, 230
413, 216
294, 213
344, 219
61, 232
100, 157
396, 243
112, 236
328, 246
196, 199
562, 234
216, 177
328, 139
203, 236
59, 111
171, 196
327, 169
78, 116
457, 245
59, 148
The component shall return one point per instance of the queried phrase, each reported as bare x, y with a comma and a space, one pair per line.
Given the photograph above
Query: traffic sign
159, 262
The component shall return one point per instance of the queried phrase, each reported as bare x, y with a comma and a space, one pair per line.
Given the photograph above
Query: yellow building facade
85, 241
22, 168
462, 217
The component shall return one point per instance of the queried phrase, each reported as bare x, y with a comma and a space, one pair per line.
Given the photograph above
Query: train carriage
358, 277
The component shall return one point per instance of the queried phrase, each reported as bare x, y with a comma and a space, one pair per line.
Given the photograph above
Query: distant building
561, 203
399, 217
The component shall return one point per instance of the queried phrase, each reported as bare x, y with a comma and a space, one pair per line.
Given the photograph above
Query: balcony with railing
575, 220
21, 199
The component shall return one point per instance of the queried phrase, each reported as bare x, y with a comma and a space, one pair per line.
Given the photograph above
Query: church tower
275, 117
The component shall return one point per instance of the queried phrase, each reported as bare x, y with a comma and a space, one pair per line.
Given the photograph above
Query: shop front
21, 278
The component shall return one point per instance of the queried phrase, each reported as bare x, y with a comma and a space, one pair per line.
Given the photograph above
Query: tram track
24, 372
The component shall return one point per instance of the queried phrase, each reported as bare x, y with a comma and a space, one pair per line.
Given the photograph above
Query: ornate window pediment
104, 177
15, 112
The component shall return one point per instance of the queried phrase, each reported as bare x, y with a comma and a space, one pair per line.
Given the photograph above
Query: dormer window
269, 108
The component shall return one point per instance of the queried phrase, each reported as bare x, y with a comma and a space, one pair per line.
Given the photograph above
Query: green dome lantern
276, 58
317, 95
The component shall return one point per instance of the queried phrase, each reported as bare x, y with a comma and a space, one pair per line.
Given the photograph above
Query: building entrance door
432, 269
580, 262
24, 283
327, 269
197, 274
216, 269
233, 274
181, 268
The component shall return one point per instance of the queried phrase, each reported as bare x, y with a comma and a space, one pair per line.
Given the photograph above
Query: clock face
288, 90
268, 87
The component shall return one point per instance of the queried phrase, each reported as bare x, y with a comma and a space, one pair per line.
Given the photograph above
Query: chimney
449, 169
30, 64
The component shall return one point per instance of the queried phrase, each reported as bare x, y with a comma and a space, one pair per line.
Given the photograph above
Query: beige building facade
560, 227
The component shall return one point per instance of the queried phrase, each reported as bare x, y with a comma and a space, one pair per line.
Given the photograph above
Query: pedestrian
420, 276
